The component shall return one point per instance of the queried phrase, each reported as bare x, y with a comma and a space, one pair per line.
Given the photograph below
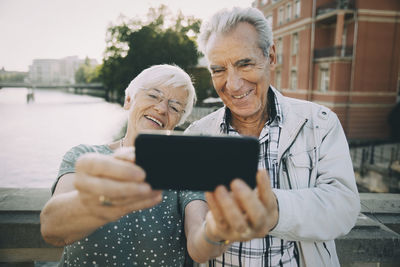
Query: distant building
343, 54
55, 71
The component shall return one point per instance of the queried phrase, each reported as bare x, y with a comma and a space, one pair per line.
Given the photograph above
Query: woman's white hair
226, 20
164, 75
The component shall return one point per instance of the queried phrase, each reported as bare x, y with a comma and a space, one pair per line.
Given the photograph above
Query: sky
31, 29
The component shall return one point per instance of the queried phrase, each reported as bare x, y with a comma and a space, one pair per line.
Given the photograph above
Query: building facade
56, 71
343, 54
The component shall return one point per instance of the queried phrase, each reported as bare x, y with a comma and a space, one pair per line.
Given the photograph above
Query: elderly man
311, 197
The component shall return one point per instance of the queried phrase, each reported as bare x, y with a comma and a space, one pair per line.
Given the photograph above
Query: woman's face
157, 108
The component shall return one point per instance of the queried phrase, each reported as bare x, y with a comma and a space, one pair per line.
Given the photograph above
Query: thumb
264, 187
125, 153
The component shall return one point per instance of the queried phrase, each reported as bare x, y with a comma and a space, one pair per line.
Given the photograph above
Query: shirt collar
274, 110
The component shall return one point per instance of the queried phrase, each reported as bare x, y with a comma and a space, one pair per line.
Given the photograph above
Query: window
264, 2
278, 79
293, 79
280, 16
279, 50
324, 78
297, 8
288, 11
295, 43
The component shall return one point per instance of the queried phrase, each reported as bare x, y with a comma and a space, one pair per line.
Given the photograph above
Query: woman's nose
162, 106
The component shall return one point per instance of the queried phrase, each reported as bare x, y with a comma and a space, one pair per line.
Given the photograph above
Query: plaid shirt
267, 251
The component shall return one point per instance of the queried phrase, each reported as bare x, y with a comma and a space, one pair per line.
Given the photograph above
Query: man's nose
233, 81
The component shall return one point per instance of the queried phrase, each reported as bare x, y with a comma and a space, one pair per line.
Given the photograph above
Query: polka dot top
150, 237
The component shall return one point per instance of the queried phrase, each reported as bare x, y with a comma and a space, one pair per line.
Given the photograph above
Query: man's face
240, 71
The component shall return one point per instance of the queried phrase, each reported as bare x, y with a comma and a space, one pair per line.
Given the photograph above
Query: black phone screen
196, 162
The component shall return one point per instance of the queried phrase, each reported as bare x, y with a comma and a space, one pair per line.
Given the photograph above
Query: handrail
20, 239
334, 5
333, 51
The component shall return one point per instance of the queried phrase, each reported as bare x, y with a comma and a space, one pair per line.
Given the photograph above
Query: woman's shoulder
81, 149
85, 148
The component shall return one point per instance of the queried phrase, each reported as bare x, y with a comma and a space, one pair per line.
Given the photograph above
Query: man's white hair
226, 20
164, 75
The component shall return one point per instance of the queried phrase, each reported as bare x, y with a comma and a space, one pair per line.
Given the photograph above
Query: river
34, 136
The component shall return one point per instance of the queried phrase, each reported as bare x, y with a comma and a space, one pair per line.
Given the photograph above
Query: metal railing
383, 159
334, 51
334, 5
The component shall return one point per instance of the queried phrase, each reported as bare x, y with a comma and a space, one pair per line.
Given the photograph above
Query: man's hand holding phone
242, 214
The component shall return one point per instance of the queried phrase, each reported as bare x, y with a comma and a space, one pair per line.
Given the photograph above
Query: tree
87, 73
135, 45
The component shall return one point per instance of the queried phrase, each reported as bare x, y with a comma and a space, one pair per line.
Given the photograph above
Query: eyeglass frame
161, 97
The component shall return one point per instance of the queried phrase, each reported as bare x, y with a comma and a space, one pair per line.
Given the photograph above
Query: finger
263, 186
144, 203
114, 212
125, 153
268, 198
122, 201
230, 209
250, 203
106, 166
111, 188
216, 211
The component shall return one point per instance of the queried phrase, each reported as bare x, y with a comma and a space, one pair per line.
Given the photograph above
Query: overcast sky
58, 28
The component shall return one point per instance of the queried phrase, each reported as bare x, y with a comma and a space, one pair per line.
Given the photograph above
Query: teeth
241, 96
155, 120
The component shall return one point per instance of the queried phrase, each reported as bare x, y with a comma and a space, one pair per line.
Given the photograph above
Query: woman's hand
113, 186
242, 214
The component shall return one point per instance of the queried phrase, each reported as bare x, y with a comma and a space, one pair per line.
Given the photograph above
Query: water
35, 136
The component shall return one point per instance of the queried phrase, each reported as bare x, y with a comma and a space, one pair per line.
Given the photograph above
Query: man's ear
127, 103
272, 57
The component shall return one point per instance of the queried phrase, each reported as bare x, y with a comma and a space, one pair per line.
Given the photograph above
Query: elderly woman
103, 211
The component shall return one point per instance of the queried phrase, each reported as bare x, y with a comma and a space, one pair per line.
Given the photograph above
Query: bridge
96, 86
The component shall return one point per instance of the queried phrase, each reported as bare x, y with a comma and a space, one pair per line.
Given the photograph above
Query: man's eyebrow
215, 67
242, 61
176, 102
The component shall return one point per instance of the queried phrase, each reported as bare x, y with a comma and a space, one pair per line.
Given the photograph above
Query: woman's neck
126, 141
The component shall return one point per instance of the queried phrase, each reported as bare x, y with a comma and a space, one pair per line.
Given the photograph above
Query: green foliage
203, 84
135, 45
87, 73
13, 76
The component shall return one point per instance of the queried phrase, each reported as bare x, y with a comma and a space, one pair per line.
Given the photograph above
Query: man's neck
249, 126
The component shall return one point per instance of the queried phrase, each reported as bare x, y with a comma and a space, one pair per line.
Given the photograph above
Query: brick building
344, 54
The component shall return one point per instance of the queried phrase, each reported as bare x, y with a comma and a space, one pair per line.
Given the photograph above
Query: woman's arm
75, 210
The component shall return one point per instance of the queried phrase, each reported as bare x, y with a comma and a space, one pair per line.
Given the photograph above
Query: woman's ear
127, 103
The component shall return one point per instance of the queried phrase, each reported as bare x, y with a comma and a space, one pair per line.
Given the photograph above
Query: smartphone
173, 160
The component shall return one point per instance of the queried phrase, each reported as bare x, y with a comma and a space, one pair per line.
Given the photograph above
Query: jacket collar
291, 122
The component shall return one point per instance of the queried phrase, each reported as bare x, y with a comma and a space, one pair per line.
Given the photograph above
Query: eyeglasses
156, 96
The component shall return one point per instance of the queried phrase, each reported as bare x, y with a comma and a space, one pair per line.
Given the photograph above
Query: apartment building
56, 71
343, 54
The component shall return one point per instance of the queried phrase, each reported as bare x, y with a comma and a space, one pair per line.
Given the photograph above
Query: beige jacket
318, 199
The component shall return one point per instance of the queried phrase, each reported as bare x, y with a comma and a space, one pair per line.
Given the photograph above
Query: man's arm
199, 249
329, 209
